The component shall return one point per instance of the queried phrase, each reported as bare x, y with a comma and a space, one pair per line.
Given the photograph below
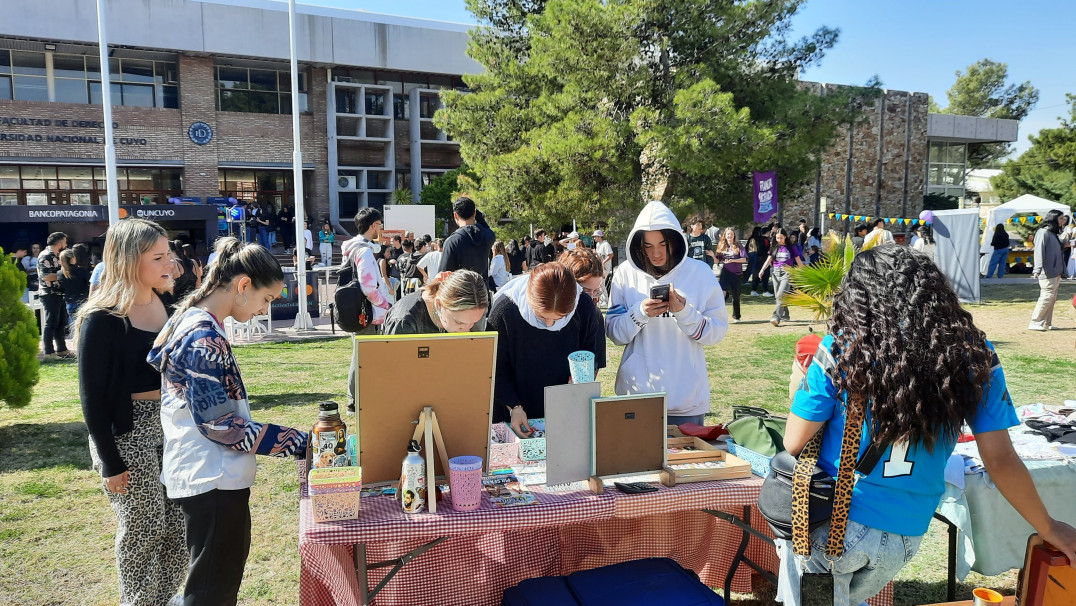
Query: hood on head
656, 216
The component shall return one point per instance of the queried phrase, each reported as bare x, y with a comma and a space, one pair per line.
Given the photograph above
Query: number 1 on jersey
898, 463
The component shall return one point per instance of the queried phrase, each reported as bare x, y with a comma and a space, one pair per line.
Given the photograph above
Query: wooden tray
735, 467
701, 450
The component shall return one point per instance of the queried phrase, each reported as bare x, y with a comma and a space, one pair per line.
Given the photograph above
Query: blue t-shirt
95, 277
904, 488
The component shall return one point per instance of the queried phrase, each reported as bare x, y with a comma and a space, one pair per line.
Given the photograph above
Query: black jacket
1000, 240
469, 247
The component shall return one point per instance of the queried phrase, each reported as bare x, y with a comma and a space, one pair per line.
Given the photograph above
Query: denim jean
263, 236
999, 259
871, 559
55, 323
781, 287
681, 419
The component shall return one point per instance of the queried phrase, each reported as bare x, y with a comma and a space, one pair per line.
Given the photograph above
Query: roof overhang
970, 129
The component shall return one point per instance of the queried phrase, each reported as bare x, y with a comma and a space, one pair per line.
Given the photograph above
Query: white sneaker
1052, 327
734, 321
767, 294
775, 322
754, 293
1036, 328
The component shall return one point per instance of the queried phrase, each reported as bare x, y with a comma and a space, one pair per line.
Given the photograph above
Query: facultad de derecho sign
57, 136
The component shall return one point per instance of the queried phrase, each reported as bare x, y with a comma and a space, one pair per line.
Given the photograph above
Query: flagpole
302, 316
111, 186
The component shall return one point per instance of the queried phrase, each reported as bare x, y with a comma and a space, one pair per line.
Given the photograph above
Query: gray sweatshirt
1048, 258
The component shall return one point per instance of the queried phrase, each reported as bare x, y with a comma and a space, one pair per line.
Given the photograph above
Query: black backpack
407, 263
354, 312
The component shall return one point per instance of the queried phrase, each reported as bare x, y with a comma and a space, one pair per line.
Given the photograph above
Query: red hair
583, 263
552, 289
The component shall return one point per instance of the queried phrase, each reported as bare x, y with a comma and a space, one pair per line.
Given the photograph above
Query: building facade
202, 106
202, 111
884, 164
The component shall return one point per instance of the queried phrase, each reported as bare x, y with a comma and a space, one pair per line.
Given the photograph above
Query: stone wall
877, 167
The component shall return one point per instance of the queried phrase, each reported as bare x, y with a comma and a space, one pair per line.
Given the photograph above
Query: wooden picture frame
628, 434
396, 377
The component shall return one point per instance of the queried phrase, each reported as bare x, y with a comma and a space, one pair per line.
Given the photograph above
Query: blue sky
912, 45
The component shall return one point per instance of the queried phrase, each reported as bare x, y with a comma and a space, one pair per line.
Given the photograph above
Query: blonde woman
732, 256
121, 402
500, 268
451, 302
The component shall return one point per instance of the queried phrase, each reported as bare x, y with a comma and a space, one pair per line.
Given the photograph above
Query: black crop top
111, 366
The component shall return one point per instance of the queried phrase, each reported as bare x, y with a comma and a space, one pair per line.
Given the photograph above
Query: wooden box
687, 449
724, 467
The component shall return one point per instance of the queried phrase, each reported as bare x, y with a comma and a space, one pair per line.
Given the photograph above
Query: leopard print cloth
151, 546
842, 492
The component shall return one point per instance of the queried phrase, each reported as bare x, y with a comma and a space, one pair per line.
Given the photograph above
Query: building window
65, 185
268, 187
401, 107
259, 91
25, 76
946, 166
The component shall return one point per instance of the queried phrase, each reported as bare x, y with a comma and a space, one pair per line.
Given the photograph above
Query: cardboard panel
628, 434
396, 376
567, 439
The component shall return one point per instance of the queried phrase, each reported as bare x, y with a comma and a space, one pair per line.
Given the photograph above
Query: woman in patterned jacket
209, 437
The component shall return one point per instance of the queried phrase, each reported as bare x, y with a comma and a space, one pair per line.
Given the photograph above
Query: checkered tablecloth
493, 548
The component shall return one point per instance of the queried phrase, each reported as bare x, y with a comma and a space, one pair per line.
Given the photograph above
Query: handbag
798, 496
758, 430
354, 309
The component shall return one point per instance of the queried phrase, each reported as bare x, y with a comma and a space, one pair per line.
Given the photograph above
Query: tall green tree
18, 337
982, 91
1048, 168
588, 108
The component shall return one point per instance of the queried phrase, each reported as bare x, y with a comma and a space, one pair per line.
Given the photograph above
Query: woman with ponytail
121, 402
209, 437
452, 302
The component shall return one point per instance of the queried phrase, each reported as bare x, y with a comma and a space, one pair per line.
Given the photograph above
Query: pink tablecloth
492, 548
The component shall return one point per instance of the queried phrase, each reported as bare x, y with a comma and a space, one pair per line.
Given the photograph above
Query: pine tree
18, 337
588, 108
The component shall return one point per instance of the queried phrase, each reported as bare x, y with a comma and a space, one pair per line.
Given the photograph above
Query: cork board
397, 376
628, 434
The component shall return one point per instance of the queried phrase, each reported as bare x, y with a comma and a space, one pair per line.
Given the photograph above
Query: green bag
757, 430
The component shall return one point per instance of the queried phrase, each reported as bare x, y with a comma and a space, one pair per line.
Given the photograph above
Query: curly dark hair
905, 346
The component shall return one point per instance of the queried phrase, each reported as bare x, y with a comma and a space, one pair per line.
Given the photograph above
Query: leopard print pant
151, 548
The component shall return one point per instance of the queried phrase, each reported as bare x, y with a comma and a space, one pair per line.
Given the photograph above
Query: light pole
302, 316
111, 185
822, 214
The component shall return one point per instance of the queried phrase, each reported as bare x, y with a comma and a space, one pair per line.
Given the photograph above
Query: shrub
18, 337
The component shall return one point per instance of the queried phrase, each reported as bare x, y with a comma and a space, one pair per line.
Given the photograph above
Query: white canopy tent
1022, 205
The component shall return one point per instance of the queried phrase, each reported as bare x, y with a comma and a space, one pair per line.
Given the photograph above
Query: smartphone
816, 589
660, 292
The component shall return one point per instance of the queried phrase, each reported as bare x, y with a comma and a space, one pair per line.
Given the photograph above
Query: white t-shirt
309, 238
604, 249
878, 237
430, 262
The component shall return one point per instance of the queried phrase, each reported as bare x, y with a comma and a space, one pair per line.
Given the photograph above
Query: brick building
202, 109
202, 103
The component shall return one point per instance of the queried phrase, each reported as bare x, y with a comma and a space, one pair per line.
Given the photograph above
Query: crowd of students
172, 434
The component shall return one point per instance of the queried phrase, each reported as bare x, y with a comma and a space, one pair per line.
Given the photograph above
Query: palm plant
815, 285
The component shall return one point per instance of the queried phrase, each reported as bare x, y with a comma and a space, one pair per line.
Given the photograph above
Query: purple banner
765, 196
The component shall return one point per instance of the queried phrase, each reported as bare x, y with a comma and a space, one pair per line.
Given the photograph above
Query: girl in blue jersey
923, 369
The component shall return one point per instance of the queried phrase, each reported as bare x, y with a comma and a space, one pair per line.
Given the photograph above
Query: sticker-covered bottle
413, 480
328, 442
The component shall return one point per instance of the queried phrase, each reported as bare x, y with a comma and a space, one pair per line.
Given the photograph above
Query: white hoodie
665, 353
363, 255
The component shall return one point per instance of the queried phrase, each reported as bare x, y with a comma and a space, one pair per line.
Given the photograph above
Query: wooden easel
427, 434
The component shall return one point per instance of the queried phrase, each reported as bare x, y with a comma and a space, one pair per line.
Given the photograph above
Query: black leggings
730, 283
218, 539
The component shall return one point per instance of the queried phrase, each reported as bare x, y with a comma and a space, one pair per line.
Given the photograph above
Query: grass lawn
57, 530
